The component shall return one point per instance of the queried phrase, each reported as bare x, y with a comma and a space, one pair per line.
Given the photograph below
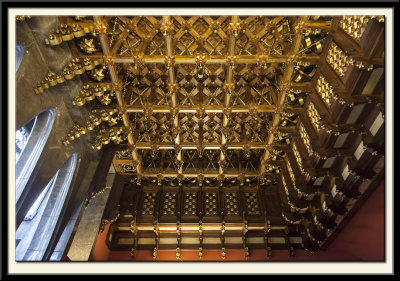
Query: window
39, 226
34, 209
22, 136
30, 141
19, 53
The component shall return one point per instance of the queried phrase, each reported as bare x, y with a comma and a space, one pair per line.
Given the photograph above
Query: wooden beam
281, 98
195, 174
165, 146
172, 81
227, 92
115, 81
213, 59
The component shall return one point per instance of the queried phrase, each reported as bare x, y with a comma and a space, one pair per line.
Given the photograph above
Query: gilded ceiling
213, 101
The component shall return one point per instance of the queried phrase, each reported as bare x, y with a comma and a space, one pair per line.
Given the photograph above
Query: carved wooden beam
237, 146
210, 108
214, 59
170, 61
195, 174
228, 90
281, 98
115, 80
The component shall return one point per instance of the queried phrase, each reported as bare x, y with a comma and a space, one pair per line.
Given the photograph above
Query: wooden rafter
227, 96
281, 98
120, 101
171, 76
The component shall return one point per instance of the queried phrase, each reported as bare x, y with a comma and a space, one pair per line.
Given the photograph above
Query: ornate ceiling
223, 118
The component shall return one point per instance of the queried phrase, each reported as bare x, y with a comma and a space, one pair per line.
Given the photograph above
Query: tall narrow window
40, 224
19, 53
30, 141
35, 207
22, 136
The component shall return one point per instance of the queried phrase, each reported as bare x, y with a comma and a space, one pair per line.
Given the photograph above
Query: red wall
362, 239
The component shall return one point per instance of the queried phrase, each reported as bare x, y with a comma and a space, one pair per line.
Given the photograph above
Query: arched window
30, 141
35, 207
22, 136
19, 53
40, 224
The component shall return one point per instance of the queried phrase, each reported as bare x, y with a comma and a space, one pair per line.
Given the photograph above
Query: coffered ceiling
209, 104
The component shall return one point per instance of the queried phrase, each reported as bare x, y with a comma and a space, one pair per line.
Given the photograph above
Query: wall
37, 62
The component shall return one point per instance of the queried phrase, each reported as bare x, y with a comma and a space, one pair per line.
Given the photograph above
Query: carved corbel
75, 132
22, 18
76, 67
66, 33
